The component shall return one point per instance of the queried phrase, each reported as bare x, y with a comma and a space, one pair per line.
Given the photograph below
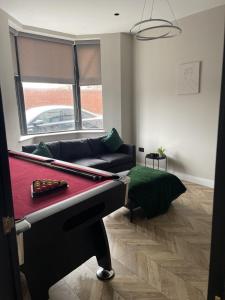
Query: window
49, 107
58, 84
91, 104
89, 66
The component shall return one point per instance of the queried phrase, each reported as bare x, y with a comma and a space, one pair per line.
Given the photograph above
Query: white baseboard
190, 178
193, 179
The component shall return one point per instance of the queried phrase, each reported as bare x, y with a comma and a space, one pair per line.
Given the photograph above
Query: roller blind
13, 50
45, 61
89, 62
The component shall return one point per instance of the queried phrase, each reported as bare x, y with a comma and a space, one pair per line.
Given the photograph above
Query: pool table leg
105, 271
131, 211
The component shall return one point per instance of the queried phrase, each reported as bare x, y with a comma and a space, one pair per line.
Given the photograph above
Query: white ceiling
96, 16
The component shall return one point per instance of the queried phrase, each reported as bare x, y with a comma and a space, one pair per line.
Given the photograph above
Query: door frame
216, 284
10, 288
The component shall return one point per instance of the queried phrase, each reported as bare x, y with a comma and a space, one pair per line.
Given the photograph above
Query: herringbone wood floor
163, 258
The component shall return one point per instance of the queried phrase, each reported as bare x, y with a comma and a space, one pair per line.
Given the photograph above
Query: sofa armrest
128, 149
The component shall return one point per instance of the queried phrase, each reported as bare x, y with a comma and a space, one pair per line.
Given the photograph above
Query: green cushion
112, 141
43, 150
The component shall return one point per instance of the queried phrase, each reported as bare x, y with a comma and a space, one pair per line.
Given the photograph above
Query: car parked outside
53, 118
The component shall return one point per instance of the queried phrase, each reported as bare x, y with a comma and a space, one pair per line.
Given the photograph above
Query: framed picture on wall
188, 78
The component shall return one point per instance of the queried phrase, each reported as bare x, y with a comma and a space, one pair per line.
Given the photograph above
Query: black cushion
29, 148
54, 147
74, 149
121, 167
115, 159
97, 146
92, 162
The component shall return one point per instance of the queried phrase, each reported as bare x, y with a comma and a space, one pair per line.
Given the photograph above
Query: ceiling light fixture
155, 28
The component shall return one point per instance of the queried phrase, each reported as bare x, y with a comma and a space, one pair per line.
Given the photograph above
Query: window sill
29, 137
24, 138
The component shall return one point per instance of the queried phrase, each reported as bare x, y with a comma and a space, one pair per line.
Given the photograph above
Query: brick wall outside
91, 98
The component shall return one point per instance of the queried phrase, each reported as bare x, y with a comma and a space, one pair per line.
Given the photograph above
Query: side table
150, 156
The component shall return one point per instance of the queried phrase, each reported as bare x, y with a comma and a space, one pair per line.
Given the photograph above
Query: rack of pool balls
41, 187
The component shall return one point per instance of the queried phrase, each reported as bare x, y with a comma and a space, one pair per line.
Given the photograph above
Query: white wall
186, 125
127, 87
111, 83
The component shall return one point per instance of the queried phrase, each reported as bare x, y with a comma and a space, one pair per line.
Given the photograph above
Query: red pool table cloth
23, 173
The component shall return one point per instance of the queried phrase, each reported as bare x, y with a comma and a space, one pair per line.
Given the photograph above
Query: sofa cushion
120, 168
97, 146
42, 150
74, 149
92, 162
29, 148
115, 159
112, 141
54, 148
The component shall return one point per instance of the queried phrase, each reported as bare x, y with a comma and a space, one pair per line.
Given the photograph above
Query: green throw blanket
153, 190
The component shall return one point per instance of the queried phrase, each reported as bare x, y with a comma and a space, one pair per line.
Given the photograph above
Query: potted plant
161, 151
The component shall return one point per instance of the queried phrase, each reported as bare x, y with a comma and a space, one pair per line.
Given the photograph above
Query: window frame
19, 91
76, 93
75, 86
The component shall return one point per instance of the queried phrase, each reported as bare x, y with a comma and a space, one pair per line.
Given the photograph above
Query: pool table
60, 231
